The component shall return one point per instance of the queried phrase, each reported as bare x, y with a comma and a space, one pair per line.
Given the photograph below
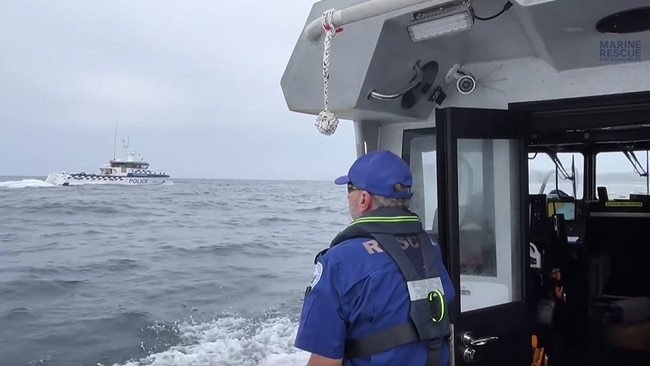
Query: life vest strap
388, 338
381, 341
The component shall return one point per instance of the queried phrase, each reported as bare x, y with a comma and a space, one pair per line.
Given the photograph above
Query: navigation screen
568, 209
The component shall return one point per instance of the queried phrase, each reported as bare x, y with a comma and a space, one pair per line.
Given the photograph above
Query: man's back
359, 291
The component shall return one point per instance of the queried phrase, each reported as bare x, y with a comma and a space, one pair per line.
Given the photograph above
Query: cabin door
483, 188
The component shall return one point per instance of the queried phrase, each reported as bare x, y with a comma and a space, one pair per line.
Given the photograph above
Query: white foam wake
25, 183
232, 341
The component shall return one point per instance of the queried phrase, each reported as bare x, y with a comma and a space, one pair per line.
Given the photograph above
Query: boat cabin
129, 164
120, 166
526, 124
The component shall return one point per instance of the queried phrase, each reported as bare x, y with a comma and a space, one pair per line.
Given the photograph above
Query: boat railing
362, 11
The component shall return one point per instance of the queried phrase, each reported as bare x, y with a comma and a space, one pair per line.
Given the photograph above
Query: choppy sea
201, 272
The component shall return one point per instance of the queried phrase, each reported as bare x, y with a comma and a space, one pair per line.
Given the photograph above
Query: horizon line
42, 177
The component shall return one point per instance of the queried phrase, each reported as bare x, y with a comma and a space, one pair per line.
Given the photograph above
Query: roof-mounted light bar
445, 19
364, 11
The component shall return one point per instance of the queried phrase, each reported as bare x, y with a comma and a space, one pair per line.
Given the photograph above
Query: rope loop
327, 122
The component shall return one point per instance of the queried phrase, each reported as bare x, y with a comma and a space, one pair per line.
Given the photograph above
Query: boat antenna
125, 145
115, 140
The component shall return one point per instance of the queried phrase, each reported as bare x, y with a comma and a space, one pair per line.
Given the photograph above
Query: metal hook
416, 80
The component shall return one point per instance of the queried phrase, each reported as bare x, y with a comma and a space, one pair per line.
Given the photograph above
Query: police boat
130, 171
475, 95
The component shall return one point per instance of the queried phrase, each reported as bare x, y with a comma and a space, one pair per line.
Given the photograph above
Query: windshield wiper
638, 168
560, 168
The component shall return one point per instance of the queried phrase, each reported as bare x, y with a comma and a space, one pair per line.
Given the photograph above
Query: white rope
326, 122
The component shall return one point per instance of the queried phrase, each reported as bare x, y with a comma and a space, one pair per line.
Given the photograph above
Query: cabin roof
536, 50
127, 162
563, 33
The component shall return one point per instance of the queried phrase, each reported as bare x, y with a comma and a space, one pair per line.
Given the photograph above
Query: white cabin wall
532, 79
529, 79
546, 51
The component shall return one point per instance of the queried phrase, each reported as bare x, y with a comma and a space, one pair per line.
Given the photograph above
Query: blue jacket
355, 291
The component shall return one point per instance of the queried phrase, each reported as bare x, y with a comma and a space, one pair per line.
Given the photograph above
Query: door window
422, 160
489, 222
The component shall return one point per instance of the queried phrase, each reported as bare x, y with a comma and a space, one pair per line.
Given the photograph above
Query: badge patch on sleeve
318, 271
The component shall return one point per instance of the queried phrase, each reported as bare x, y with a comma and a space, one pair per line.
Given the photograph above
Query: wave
25, 183
226, 341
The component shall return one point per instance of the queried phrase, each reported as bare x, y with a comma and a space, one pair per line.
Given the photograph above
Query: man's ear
366, 201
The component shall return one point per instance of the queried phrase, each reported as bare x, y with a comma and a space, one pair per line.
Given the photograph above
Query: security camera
465, 83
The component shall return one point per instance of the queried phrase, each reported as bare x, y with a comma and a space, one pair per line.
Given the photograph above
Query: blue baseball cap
377, 172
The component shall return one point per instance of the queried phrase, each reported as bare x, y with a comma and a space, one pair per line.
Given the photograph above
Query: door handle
469, 340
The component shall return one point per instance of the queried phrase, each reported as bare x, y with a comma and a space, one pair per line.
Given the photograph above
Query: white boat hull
67, 179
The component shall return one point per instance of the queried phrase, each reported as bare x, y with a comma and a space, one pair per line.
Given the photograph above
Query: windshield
545, 177
616, 172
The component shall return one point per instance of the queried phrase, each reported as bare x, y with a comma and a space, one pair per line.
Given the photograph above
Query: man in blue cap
379, 293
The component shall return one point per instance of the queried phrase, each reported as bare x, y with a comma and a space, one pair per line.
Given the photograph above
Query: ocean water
201, 272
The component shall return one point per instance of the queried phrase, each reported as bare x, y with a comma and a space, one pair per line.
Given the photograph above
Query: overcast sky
195, 85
